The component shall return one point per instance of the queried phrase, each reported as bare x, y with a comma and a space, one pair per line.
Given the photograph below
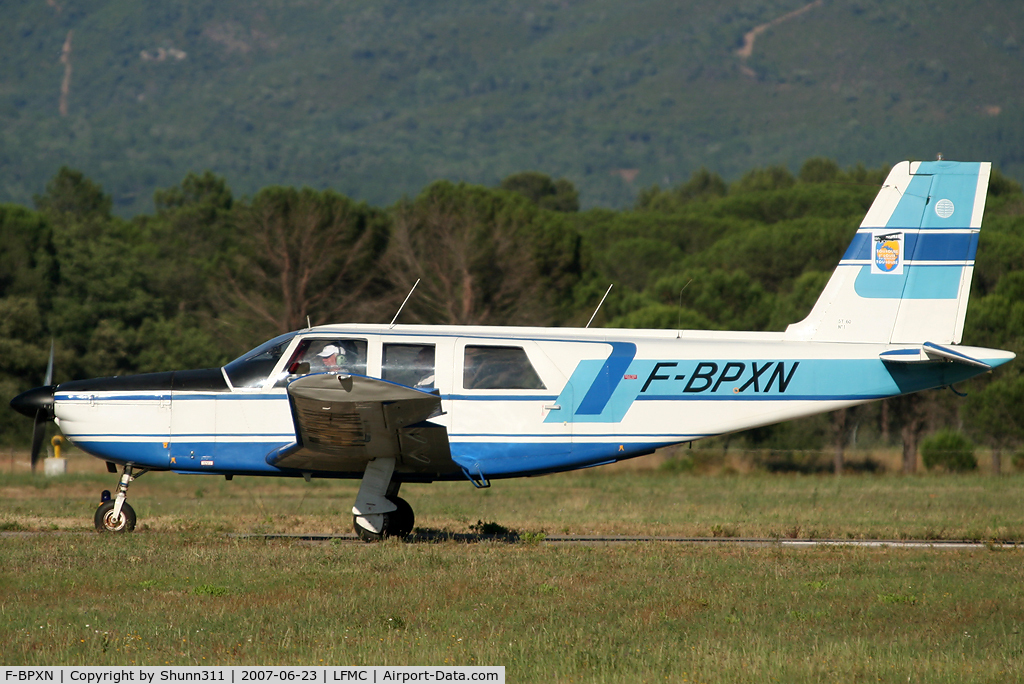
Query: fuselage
515, 401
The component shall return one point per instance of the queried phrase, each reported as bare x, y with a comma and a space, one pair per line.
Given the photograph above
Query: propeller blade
49, 367
38, 432
42, 416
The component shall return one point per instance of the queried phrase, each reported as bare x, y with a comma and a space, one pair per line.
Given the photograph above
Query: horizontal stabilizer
930, 352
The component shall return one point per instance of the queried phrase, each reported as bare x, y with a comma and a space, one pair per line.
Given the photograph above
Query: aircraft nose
35, 400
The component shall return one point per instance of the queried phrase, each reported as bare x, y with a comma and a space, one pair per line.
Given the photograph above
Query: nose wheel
116, 515
108, 521
397, 523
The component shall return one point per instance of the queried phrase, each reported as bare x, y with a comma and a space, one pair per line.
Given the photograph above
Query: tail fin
907, 274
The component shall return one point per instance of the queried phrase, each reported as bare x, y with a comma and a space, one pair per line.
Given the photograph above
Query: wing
344, 421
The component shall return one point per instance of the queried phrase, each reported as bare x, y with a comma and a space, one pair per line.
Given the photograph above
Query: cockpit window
499, 368
333, 355
254, 367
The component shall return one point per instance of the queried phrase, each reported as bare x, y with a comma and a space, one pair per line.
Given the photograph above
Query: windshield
253, 368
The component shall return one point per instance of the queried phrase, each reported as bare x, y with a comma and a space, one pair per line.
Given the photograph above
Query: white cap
330, 350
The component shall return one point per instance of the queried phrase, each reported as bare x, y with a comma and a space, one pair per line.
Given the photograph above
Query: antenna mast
599, 305
679, 314
403, 304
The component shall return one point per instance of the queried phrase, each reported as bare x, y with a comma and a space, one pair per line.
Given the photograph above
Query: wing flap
426, 444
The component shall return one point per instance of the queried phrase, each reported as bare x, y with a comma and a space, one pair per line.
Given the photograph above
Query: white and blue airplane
396, 404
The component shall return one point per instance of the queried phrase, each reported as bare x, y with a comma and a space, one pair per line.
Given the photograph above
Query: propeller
43, 415
37, 404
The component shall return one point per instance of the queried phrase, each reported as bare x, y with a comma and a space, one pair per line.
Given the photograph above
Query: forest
208, 274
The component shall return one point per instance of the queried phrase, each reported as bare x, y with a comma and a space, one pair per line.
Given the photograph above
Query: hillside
377, 99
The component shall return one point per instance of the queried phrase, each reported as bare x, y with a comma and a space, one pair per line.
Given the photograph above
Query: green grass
611, 500
640, 612
178, 591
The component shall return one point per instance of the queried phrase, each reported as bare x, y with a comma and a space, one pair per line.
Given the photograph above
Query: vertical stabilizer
906, 276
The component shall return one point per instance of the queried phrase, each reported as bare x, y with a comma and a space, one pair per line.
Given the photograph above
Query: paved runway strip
436, 537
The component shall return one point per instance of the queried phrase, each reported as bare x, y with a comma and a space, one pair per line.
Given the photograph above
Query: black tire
104, 519
397, 523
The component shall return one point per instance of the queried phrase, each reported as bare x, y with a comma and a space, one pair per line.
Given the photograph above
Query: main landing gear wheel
402, 519
397, 523
106, 522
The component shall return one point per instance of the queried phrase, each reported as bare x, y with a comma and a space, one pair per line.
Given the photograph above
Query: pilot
333, 358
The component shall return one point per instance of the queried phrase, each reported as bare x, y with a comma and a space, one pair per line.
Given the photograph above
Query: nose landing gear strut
116, 515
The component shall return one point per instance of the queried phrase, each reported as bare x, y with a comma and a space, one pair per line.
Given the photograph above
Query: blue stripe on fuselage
750, 380
225, 456
511, 459
607, 380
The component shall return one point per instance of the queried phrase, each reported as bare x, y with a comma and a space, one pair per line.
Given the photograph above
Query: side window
411, 365
332, 355
499, 368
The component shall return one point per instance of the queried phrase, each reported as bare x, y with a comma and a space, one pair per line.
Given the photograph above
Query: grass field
180, 591
638, 497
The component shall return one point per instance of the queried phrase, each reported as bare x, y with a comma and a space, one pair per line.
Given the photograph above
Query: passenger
423, 366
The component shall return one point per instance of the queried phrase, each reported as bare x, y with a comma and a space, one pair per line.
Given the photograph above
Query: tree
190, 236
768, 178
102, 293
999, 185
995, 415
702, 185
994, 412
70, 194
301, 253
206, 194
819, 170
909, 410
950, 450
28, 264
28, 276
23, 353
484, 257
794, 305
840, 435
560, 195
731, 299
